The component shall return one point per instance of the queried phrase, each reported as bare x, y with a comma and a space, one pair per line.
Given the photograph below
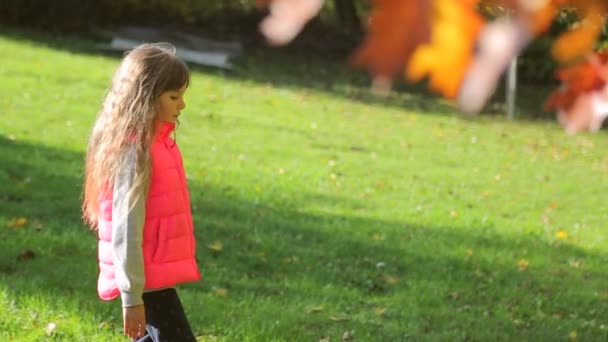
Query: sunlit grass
320, 210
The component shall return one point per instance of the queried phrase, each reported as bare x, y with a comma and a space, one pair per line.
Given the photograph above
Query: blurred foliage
535, 63
72, 15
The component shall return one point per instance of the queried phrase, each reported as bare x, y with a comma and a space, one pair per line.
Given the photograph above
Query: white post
511, 88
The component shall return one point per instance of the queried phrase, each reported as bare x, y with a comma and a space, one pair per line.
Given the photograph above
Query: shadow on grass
277, 262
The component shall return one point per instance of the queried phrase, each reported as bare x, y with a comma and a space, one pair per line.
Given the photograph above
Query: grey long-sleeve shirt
128, 217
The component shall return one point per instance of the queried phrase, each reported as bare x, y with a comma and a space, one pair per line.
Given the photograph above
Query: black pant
165, 318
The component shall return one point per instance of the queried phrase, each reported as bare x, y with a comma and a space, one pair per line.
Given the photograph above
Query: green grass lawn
321, 211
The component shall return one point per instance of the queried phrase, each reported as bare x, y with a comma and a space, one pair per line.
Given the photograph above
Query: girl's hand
134, 321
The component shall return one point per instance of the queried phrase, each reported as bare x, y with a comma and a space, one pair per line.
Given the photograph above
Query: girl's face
171, 104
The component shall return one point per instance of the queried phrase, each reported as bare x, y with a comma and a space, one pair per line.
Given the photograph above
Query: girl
135, 195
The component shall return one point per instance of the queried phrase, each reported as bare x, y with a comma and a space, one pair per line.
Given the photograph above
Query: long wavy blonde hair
127, 119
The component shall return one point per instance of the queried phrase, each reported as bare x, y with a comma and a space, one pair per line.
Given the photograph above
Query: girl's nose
182, 105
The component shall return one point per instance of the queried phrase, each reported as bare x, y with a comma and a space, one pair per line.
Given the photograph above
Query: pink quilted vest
168, 241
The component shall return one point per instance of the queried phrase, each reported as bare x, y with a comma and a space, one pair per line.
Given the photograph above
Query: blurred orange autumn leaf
540, 19
576, 79
580, 40
396, 28
439, 39
582, 102
455, 26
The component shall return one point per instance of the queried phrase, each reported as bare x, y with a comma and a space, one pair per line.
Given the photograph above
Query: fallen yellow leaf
291, 260
391, 280
339, 317
37, 225
315, 309
216, 246
378, 237
380, 311
523, 264
17, 222
220, 291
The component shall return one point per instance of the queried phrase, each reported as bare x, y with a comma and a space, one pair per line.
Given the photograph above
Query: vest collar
164, 129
